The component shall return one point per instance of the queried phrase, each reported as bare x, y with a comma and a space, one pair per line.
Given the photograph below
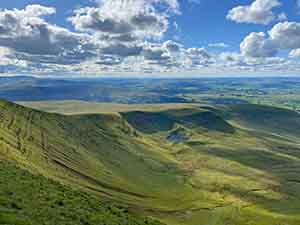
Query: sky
150, 37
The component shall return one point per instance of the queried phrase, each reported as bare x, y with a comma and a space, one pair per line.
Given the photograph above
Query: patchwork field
281, 92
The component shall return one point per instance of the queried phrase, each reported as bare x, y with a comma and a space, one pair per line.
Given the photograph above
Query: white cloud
257, 45
283, 36
195, 58
128, 30
172, 46
198, 52
37, 11
231, 58
163, 54
121, 50
295, 53
236, 62
8, 60
31, 38
259, 12
129, 36
139, 19
119, 36
286, 35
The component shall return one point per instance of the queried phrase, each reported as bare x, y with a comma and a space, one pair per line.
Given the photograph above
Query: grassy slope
27, 199
261, 118
240, 176
211, 171
99, 153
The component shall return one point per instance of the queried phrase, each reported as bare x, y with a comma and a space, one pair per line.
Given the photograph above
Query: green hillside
189, 166
27, 199
268, 119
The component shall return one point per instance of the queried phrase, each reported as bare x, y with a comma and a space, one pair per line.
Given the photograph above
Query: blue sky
166, 36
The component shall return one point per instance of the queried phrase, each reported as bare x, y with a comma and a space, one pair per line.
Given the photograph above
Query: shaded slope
149, 122
202, 118
265, 118
152, 122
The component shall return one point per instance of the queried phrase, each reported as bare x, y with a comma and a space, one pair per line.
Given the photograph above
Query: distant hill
273, 91
188, 165
116, 90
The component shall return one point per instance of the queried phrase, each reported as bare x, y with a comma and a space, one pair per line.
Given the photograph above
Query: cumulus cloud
121, 50
155, 52
231, 58
259, 12
172, 46
32, 38
161, 54
109, 60
113, 32
283, 36
198, 52
127, 29
37, 11
9, 63
114, 35
198, 57
138, 19
237, 62
257, 45
286, 35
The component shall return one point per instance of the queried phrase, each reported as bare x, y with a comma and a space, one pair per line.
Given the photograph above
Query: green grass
269, 119
228, 165
27, 199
